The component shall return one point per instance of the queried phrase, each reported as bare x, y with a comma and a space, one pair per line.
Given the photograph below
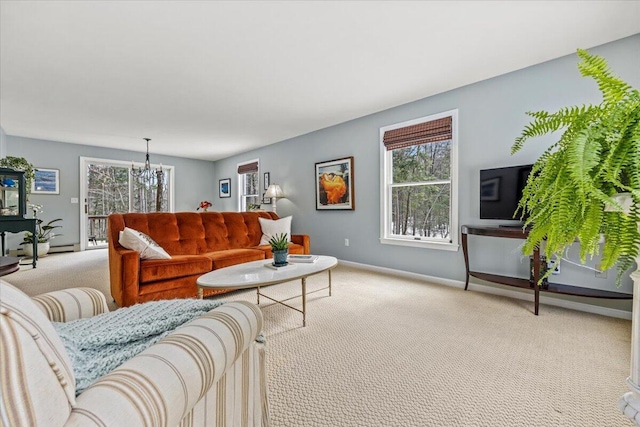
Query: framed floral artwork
334, 185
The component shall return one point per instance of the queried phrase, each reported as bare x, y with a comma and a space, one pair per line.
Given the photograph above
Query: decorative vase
280, 257
43, 249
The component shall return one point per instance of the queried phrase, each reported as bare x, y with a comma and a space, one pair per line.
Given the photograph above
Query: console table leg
536, 279
466, 259
35, 249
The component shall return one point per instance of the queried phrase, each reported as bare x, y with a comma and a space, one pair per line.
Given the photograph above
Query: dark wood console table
518, 233
15, 225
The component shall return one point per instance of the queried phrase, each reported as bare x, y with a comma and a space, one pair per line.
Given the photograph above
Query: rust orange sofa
197, 242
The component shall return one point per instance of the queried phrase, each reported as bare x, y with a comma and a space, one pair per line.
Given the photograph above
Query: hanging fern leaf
571, 184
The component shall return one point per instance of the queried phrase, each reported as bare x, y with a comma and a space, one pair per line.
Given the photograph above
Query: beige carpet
385, 351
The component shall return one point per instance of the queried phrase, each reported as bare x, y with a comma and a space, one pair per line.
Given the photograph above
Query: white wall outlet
346, 242
74, 200
555, 265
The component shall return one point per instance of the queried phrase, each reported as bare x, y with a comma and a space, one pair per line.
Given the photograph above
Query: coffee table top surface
254, 273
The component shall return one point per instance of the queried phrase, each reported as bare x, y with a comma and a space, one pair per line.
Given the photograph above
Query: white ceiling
211, 79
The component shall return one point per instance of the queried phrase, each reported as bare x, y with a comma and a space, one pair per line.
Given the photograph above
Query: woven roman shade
422, 133
248, 168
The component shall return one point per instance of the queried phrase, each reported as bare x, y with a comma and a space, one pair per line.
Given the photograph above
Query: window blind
248, 168
422, 133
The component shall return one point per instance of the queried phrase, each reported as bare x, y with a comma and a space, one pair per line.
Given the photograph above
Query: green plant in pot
280, 249
572, 191
44, 233
21, 164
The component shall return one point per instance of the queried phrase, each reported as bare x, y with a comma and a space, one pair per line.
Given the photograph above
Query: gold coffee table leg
200, 293
329, 282
304, 301
258, 295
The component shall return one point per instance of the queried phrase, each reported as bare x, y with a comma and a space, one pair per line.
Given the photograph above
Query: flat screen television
501, 190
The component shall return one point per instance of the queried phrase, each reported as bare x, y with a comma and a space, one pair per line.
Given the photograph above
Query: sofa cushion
179, 266
230, 257
142, 243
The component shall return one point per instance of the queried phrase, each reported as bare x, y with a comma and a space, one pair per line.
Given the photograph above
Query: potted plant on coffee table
587, 186
280, 249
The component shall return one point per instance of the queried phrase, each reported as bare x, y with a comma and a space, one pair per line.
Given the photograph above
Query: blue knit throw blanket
99, 344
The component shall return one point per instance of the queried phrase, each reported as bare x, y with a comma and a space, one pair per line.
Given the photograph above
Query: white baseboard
572, 305
52, 249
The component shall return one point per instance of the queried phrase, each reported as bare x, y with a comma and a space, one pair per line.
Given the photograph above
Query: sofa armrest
303, 240
71, 304
163, 383
124, 274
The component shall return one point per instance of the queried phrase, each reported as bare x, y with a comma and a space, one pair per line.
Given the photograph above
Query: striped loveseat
207, 373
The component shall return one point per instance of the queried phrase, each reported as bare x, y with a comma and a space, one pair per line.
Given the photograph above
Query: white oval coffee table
255, 274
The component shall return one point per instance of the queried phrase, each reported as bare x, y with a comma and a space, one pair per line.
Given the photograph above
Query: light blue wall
3, 143
194, 179
491, 116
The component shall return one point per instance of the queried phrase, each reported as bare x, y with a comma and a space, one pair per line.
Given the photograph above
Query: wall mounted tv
501, 190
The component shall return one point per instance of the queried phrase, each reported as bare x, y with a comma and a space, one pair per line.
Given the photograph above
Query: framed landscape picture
46, 181
224, 188
334, 185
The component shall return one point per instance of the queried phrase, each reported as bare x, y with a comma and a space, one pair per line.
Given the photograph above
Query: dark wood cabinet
525, 283
13, 207
13, 194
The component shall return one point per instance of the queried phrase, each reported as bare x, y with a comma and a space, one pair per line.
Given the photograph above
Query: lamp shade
274, 190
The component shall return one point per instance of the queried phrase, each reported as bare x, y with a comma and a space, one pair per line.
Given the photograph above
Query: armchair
206, 372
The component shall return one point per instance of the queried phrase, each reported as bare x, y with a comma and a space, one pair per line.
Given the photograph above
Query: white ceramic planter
43, 249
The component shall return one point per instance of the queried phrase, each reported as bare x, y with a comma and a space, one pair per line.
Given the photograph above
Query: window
249, 185
419, 182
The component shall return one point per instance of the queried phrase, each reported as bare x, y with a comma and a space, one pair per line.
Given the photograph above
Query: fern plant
596, 157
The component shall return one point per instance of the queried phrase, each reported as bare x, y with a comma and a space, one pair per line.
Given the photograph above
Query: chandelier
149, 179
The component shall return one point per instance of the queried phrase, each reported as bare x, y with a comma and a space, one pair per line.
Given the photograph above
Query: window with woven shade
419, 183
249, 185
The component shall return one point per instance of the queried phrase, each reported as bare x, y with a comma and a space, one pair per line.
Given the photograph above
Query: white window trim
241, 184
385, 188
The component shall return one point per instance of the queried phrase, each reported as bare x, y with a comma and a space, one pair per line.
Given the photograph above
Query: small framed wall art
224, 189
266, 181
334, 185
46, 181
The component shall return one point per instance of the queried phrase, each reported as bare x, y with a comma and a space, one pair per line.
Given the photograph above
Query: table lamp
274, 192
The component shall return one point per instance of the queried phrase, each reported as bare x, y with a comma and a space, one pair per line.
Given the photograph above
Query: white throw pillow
271, 227
140, 242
